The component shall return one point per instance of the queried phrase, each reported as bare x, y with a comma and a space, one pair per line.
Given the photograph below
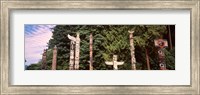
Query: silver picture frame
8, 5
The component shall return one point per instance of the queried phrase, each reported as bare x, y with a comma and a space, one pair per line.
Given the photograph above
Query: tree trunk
147, 58
170, 38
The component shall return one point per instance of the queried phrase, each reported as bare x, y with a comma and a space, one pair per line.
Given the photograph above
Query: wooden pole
147, 58
54, 58
91, 49
132, 49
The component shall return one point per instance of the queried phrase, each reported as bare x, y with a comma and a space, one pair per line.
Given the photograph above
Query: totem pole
71, 60
77, 52
54, 58
74, 59
44, 64
132, 49
91, 57
161, 44
114, 63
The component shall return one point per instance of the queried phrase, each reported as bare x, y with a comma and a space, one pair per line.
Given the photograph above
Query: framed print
100, 47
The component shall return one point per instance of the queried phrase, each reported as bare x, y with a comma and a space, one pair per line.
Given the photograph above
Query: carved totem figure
71, 60
74, 60
114, 63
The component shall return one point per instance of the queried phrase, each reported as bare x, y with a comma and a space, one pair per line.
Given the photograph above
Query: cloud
36, 39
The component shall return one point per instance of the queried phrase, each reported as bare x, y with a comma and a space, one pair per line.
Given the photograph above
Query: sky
36, 39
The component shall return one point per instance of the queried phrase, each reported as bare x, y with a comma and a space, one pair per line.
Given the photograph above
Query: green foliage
35, 66
107, 41
170, 59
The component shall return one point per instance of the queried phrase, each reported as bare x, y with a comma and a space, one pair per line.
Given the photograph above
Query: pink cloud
36, 41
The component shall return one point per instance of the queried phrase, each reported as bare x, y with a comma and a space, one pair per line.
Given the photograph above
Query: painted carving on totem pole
161, 44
